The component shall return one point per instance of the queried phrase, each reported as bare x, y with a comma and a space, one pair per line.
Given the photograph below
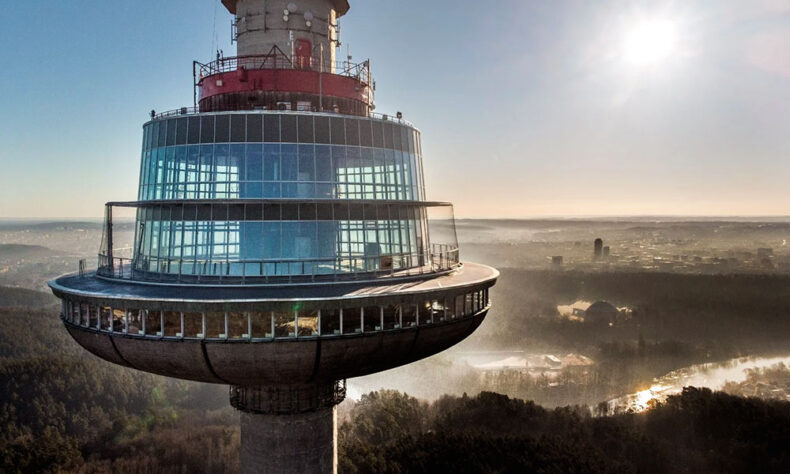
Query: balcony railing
196, 110
442, 258
276, 59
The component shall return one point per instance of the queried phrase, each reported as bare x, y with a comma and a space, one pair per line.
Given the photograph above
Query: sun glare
650, 42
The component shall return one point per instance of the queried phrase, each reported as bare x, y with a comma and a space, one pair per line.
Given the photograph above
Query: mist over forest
535, 388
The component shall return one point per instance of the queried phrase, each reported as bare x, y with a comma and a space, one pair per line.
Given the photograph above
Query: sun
650, 42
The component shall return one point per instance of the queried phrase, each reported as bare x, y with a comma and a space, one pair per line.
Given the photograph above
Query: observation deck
277, 81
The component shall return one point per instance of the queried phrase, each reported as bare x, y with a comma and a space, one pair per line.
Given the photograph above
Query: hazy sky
527, 108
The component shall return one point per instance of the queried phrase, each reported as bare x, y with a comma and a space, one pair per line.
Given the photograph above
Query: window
193, 325
372, 318
82, 314
308, 322
449, 308
352, 320
238, 127
118, 320
237, 326
392, 317
271, 128
410, 315
172, 324
262, 324
153, 323
330, 322
135, 322
104, 317
207, 129
254, 128
284, 324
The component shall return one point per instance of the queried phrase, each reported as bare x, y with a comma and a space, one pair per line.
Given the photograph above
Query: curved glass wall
272, 155
259, 239
269, 240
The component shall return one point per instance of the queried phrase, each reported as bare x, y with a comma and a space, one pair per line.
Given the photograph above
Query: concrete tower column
295, 443
289, 429
310, 24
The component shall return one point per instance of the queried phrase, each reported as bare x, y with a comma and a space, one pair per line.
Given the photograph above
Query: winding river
712, 376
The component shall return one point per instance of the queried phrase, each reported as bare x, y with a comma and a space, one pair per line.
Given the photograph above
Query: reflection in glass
308, 322
284, 324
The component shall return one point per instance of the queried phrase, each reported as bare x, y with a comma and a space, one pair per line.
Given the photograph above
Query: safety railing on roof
276, 59
196, 110
441, 258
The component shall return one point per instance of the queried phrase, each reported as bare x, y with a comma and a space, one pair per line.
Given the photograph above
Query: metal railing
276, 59
196, 110
442, 258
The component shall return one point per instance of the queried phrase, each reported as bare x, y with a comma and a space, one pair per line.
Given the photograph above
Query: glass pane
261, 322
288, 128
338, 131
238, 127
284, 322
172, 324
193, 130
305, 129
330, 322
437, 311
153, 323
238, 326
222, 129
215, 325
449, 308
135, 322
118, 319
254, 128
308, 323
271, 128
105, 316
207, 130
322, 129
372, 318
392, 317
81, 313
193, 325
352, 320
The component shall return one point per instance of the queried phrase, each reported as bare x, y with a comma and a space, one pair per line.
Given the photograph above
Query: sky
527, 108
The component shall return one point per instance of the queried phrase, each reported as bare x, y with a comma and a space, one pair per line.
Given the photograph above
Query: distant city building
598, 249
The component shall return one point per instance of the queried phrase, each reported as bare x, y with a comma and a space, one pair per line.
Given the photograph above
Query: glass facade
270, 194
256, 155
248, 239
249, 325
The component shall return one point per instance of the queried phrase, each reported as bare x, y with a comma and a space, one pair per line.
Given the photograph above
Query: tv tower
282, 242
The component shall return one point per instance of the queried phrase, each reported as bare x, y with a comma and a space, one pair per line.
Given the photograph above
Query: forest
64, 410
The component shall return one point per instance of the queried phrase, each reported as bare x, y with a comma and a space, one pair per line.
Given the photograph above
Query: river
712, 376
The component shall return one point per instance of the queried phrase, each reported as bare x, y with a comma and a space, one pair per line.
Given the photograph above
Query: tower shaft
288, 428
294, 443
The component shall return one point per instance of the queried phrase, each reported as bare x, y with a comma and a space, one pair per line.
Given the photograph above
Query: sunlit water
712, 376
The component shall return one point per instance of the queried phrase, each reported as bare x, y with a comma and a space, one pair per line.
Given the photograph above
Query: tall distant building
597, 249
282, 243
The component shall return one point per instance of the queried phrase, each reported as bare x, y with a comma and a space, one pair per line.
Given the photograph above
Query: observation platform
258, 335
277, 81
99, 289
